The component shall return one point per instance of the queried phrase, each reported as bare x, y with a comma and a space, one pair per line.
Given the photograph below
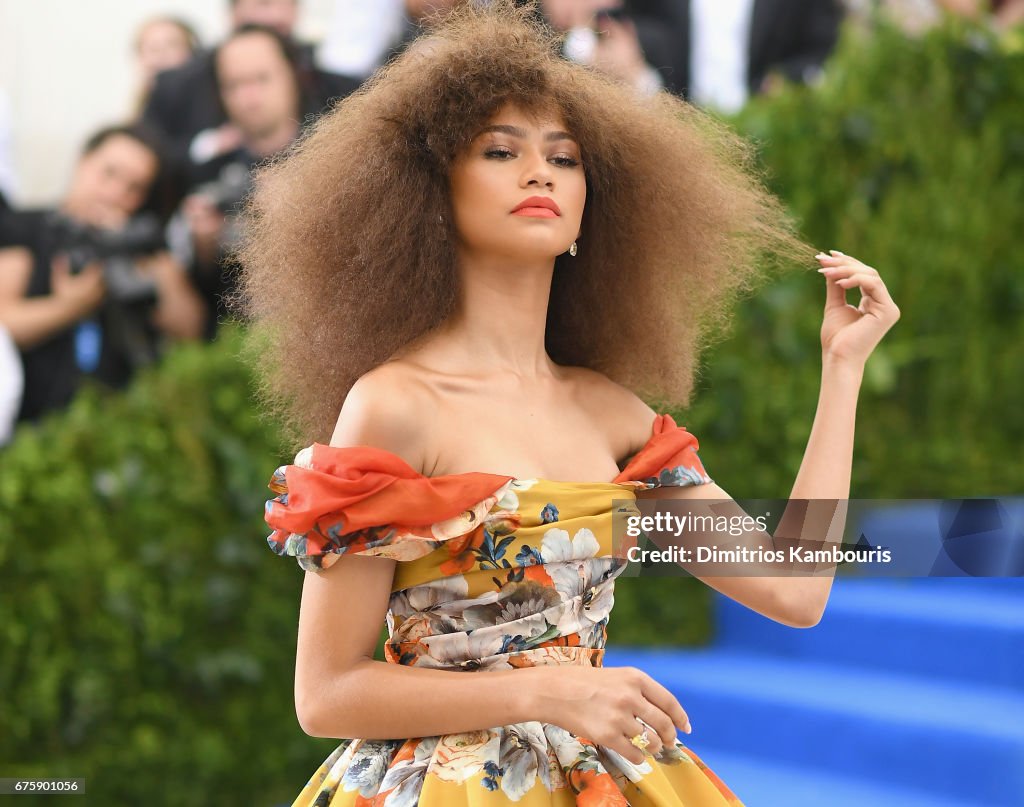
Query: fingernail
688, 728
825, 269
821, 255
835, 252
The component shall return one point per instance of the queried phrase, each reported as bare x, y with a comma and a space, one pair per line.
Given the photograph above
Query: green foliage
149, 638
909, 157
149, 633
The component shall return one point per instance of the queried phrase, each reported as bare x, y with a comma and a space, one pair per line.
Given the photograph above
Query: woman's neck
500, 322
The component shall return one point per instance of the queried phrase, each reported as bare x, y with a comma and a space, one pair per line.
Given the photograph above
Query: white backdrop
66, 67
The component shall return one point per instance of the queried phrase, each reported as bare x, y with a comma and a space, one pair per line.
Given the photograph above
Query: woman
479, 258
161, 43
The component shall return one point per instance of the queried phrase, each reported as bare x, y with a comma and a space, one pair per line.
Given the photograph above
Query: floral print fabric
496, 573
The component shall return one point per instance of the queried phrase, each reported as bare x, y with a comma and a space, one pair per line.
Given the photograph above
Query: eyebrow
515, 131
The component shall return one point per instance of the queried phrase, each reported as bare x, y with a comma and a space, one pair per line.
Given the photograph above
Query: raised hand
848, 332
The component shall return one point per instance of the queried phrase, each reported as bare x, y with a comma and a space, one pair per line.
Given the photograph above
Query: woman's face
514, 159
161, 46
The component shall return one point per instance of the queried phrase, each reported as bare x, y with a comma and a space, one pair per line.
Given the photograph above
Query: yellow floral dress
495, 573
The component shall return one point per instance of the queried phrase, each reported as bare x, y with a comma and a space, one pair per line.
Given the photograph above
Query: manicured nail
835, 252
688, 728
821, 255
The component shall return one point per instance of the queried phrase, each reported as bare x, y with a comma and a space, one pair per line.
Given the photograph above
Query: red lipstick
540, 206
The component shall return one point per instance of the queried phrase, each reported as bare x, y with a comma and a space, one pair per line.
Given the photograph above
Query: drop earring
572, 249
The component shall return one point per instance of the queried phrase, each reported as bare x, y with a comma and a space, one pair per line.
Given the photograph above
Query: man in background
257, 73
719, 53
184, 104
93, 291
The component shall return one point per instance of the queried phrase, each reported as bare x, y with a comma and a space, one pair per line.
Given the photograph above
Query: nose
537, 170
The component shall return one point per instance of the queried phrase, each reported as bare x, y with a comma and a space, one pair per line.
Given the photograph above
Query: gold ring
641, 740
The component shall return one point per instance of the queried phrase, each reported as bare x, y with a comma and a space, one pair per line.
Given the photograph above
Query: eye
498, 152
568, 162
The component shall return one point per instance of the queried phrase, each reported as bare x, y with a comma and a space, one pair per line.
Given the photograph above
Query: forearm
828, 458
35, 319
378, 700
180, 310
824, 480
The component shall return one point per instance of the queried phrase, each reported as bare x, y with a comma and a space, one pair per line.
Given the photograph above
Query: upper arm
344, 606
775, 597
15, 271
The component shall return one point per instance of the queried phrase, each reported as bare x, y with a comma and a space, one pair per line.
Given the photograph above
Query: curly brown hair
344, 261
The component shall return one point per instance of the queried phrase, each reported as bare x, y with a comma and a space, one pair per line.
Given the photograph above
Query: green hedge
910, 157
149, 638
149, 633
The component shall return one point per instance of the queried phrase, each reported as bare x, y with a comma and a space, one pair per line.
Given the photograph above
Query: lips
537, 206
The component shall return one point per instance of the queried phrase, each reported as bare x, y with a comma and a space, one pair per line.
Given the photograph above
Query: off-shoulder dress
494, 573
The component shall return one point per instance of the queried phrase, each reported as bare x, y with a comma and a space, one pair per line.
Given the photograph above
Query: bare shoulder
622, 411
386, 408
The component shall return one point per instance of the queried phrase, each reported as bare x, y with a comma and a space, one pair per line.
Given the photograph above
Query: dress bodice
495, 572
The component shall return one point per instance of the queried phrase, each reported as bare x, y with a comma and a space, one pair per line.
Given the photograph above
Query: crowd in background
136, 254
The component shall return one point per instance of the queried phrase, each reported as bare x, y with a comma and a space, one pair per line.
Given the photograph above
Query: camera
116, 250
229, 189
130, 294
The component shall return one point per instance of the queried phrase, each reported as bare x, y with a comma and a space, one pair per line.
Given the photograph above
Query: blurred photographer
94, 291
183, 105
258, 78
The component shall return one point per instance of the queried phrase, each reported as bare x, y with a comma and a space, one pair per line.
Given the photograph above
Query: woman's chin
521, 250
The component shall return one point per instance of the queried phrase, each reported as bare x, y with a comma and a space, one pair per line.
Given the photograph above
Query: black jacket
794, 36
185, 100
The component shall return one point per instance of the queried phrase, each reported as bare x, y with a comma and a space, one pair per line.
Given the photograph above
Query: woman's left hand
849, 333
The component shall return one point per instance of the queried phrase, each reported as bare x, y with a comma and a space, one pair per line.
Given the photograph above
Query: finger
869, 305
868, 283
93, 270
848, 270
634, 727
198, 205
835, 295
841, 262
839, 259
854, 280
61, 264
878, 303
843, 256
630, 751
659, 721
658, 695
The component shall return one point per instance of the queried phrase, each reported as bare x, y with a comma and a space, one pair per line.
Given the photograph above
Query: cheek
285, 93
127, 199
468, 195
580, 190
